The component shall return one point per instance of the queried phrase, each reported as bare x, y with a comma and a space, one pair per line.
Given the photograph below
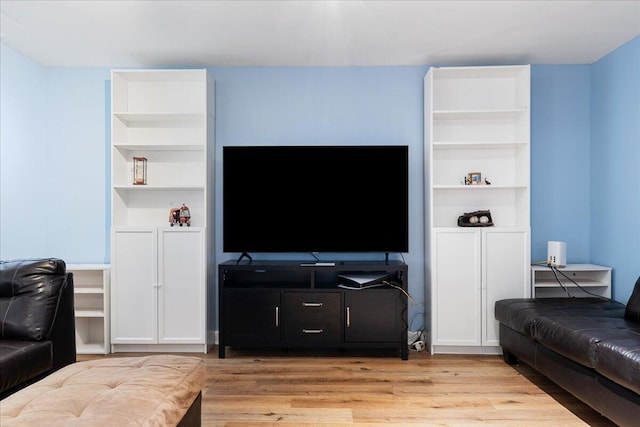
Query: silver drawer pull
312, 331
348, 317
312, 304
277, 316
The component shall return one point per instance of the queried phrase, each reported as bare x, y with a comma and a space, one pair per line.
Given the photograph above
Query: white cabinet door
505, 273
473, 269
457, 281
181, 286
134, 286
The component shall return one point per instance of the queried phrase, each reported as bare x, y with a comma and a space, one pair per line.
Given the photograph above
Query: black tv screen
315, 199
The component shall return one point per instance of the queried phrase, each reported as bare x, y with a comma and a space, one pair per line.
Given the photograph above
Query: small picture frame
474, 178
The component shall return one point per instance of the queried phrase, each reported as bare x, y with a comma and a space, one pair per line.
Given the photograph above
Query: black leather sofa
37, 325
588, 346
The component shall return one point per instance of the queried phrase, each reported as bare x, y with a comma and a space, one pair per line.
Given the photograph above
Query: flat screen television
315, 199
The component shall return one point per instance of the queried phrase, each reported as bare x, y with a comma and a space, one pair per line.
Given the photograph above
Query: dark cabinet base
292, 305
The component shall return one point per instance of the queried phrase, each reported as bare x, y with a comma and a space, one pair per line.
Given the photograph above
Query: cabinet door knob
312, 331
312, 304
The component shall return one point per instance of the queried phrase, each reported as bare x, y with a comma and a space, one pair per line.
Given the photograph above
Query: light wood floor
263, 388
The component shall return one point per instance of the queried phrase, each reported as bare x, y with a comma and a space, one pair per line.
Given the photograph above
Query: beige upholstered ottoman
158, 390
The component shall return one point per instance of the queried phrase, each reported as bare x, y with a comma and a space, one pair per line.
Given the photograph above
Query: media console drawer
312, 317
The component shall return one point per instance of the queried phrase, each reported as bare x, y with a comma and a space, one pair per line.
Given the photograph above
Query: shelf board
477, 114
95, 290
583, 283
89, 313
161, 75
160, 117
479, 187
87, 267
159, 147
479, 72
457, 228
453, 145
90, 348
144, 188
573, 268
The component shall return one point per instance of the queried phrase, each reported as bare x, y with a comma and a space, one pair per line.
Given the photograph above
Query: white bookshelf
590, 280
163, 116
477, 119
159, 274
91, 301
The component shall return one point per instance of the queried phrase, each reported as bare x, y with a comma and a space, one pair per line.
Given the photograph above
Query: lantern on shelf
139, 171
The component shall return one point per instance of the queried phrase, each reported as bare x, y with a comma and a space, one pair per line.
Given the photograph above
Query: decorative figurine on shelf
474, 178
475, 219
139, 171
180, 216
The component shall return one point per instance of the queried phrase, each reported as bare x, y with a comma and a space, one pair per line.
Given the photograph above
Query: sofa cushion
22, 360
576, 337
29, 286
633, 306
619, 359
521, 314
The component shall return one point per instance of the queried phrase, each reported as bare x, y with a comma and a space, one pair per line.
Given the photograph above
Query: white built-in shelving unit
573, 280
477, 119
91, 303
159, 273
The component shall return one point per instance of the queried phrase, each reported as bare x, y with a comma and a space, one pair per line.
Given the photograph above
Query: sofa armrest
30, 293
63, 330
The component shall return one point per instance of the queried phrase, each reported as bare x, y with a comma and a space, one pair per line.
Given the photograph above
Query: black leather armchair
37, 325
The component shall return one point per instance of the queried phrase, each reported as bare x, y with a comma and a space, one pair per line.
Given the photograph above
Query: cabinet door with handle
373, 315
251, 317
134, 286
505, 275
456, 287
181, 286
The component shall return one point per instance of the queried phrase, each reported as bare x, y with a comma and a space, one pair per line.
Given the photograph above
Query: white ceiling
316, 33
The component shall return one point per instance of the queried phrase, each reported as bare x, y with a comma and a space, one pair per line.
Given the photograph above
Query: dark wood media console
296, 305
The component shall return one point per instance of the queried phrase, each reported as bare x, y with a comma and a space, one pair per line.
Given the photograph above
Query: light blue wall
560, 100
615, 165
24, 168
56, 121
53, 163
76, 141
